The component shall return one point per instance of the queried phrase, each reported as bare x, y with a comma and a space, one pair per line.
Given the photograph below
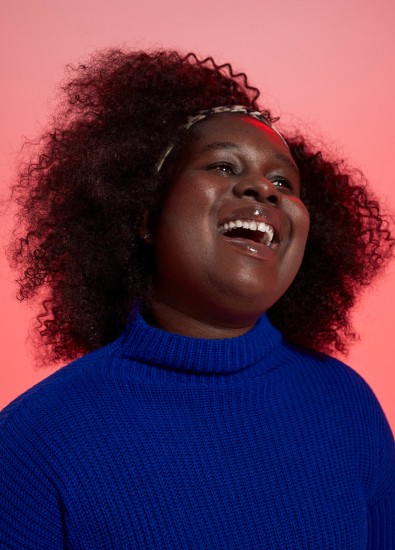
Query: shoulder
44, 444
57, 393
45, 430
331, 373
341, 391
348, 404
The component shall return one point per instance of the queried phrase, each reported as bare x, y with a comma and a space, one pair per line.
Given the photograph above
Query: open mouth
258, 232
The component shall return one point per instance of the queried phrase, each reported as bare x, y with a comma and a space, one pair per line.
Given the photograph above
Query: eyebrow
219, 145
287, 161
216, 145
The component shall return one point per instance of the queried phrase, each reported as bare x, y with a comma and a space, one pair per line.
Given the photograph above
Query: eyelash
225, 167
284, 181
218, 166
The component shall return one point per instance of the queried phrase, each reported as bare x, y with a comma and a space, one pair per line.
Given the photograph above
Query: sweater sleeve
381, 524
381, 510
30, 511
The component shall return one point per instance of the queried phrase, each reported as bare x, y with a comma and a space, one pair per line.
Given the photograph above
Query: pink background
329, 63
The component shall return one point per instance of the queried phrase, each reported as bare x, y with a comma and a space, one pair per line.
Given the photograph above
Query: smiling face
232, 230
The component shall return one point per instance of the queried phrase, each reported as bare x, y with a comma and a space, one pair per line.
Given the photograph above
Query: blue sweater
159, 441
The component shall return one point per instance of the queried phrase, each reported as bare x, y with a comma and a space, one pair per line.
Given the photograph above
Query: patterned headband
201, 115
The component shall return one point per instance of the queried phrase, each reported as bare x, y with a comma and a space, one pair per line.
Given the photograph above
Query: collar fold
154, 346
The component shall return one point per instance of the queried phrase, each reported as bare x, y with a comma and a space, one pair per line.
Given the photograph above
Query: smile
259, 232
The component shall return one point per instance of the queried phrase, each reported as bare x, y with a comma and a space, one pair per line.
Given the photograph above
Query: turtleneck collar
144, 343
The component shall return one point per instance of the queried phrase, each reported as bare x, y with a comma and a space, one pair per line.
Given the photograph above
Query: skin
209, 285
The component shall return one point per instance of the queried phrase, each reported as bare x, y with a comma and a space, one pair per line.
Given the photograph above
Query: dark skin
213, 281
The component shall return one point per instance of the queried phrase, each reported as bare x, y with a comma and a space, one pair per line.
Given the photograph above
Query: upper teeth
251, 225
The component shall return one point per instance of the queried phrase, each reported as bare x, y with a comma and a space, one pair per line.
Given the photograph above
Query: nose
260, 189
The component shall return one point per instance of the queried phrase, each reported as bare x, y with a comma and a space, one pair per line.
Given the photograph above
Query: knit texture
159, 441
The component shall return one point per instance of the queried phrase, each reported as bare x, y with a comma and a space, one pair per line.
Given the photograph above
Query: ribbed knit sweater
159, 441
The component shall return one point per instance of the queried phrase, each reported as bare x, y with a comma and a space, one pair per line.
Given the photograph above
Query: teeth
252, 226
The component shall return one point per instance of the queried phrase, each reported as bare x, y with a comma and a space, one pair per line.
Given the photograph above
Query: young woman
197, 264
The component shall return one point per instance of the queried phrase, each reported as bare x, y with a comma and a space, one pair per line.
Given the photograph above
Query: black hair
85, 186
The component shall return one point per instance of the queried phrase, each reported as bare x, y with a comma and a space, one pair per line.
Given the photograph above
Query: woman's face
232, 231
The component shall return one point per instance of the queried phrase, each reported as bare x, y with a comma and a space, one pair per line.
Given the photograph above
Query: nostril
273, 199
251, 193
261, 191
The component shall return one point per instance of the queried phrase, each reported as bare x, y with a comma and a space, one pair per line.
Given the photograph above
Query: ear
144, 231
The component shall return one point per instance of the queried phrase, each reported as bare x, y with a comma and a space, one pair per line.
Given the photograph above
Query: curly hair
85, 185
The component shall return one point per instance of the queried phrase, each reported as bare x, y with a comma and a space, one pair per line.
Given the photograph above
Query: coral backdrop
327, 66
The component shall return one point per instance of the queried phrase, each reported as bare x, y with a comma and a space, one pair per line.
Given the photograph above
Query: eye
223, 167
282, 182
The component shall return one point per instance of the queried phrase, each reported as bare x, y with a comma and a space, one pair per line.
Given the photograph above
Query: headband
201, 115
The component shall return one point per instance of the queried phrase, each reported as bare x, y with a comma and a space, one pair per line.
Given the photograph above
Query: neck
166, 317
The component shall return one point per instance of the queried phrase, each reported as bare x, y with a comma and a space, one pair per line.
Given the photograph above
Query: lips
252, 223
258, 232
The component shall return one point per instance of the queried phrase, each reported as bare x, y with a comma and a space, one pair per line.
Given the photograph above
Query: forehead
239, 129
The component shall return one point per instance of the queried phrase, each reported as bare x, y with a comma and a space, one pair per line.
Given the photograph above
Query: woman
200, 262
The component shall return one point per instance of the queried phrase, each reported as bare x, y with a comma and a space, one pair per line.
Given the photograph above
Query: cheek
189, 210
300, 220
300, 223
182, 234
